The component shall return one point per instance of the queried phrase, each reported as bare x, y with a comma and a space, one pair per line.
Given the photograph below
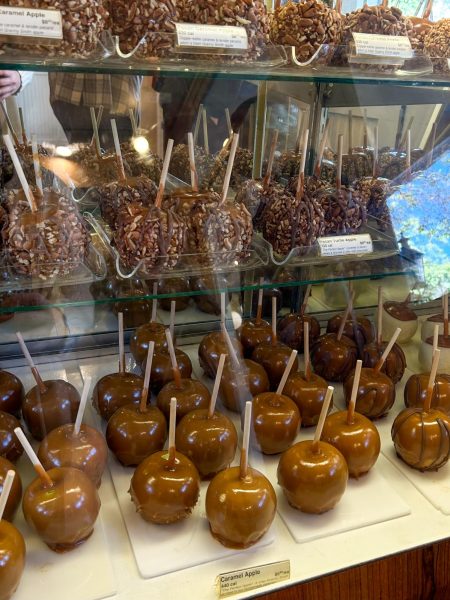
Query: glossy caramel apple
141, 338
240, 511
63, 515
165, 494
416, 391
241, 383
133, 435
190, 395
308, 395
12, 559
333, 359
115, 390
174, 285
209, 442
11, 393
43, 411
395, 364
10, 447
274, 359
422, 438
162, 370
253, 332
375, 396
291, 328
361, 330
86, 451
210, 349
313, 482
358, 441
276, 420
15, 495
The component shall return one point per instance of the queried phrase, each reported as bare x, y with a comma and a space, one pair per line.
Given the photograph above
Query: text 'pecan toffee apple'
395, 364
255, 331
291, 327
117, 389
49, 403
15, 494
307, 389
12, 547
135, 431
240, 501
313, 474
207, 436
61, 504
76, 445
189, 393
10, 447
421, 436
353, 434
166, 485
443, 343
149, 332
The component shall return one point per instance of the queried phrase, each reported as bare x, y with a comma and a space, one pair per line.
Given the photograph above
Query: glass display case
365, 225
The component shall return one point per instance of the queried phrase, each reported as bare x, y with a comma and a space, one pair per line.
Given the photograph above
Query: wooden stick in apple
82, 407
98, 149
431, 381
323, 143
231, 348
121, 344
154, 302
273, 148
347, 312
323, 416
192, 167
172, 318
246, 440
37, 377
306, 350
215, 392
301, 173
173, 360
44, 476
305, 300
148, 370
20, 173
197, 123
435, 338
164, 173
274, 321
287, 372
172, 427
122, 176
9, 124
388, 348
7, 485
352, 403
36, 163
227, 178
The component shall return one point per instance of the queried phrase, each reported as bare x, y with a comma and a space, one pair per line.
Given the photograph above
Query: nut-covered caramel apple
165, 487
291, 327
15, 494
210, 349
416, 392
11, 393
10, 446
162, 371
240, 501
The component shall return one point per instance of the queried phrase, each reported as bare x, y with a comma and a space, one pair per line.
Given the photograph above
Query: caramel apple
208, 301
162, 371
15, 494
11, 393
255, 331
353, 434
210, 349
359, 329
242, 381
240, 501
10, 446
177, 286
165, 487
416, 391
291, 327
398, 314
376, 393
150, 332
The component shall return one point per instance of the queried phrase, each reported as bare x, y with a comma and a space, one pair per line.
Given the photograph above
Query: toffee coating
10, 447
240, 384
174, 285
15, 495
210, 349
376, 393
416, 392
12, 563
141, 338
334, 359
164, 494
291, 328
361, 330
395, 364
190, 395
307, 395
162, 370
11, 393
276, 420
252, 333
274, 359
115, 390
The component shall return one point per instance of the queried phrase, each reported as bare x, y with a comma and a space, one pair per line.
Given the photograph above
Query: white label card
236, 582
30, 22
211, 36
372, 44
339, 245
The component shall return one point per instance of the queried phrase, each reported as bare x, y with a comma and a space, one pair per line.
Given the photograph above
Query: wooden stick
352, 403
306, 350
118, 149
7, 485
323, 416
82, 407
197, 123
345, 317
121, 344
380, 316
45, 477
305, 299
172, 426
133, 122
228, 119
389, 347
375, 152
301, 172
231, 157
427, 10
205, 131
193, 170
300, 122
339, 161
164, 173
173, 360
154, 302
215, 392
173, 305
21, 175
446, 314
37, 377
432, 379
9, 123
350, 132
435, 338
148, 370
36, 163
98, 118
22, 127
273, 147
323, 143
405, 135
246, 440
274, 320
229, 343
260, 301
98, 149
287, 372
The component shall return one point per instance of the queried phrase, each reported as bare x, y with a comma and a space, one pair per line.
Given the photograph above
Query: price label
340, 245
31, 23
384, 46
212, 36
244, 580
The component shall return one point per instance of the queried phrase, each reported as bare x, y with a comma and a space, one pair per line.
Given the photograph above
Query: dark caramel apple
162, 493
358, 441
11, 393
240, 511
422, 438
133, 435
253, 332
43, 411
276, 420
291, 328
162, 370
175, 285
116, 390
241, 383
376, 393
395, 364
12, 559
210, 349
149, 332
416, 392
86, 451
313, 482
63, 515
15, 495
274, 359
209, 442
361, 330
308, 395
190, 394
334, 359
10, 447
